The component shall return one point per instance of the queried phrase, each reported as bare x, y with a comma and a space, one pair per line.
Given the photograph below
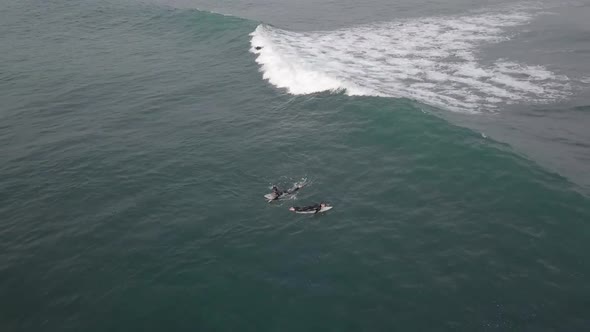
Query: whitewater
434, 60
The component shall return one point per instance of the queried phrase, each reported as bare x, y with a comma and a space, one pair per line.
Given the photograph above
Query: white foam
432, 59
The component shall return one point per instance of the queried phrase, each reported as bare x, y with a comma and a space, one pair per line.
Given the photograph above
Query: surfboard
270, 197
324, 209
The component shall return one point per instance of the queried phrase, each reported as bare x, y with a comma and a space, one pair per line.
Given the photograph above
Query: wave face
433, 60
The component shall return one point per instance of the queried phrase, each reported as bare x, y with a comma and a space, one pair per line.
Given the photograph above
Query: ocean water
137, 139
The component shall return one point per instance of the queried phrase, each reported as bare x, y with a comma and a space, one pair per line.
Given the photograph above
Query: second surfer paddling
316, 208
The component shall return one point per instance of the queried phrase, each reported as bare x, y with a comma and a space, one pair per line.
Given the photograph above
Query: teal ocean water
137, 140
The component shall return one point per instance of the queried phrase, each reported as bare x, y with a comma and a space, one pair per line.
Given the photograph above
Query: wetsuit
278, 193
316, 207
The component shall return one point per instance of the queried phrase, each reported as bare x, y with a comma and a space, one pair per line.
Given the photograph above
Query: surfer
258, 48
316, 208
277, 193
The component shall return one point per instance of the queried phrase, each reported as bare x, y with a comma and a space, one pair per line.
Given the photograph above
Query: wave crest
432, 60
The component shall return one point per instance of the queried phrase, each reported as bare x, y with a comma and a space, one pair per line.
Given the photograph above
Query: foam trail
432, 60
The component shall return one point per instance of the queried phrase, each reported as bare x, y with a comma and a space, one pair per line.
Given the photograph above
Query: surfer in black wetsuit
277, 193
316, 208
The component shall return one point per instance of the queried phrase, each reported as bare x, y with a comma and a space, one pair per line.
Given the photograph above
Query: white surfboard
324, 209
271, 197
